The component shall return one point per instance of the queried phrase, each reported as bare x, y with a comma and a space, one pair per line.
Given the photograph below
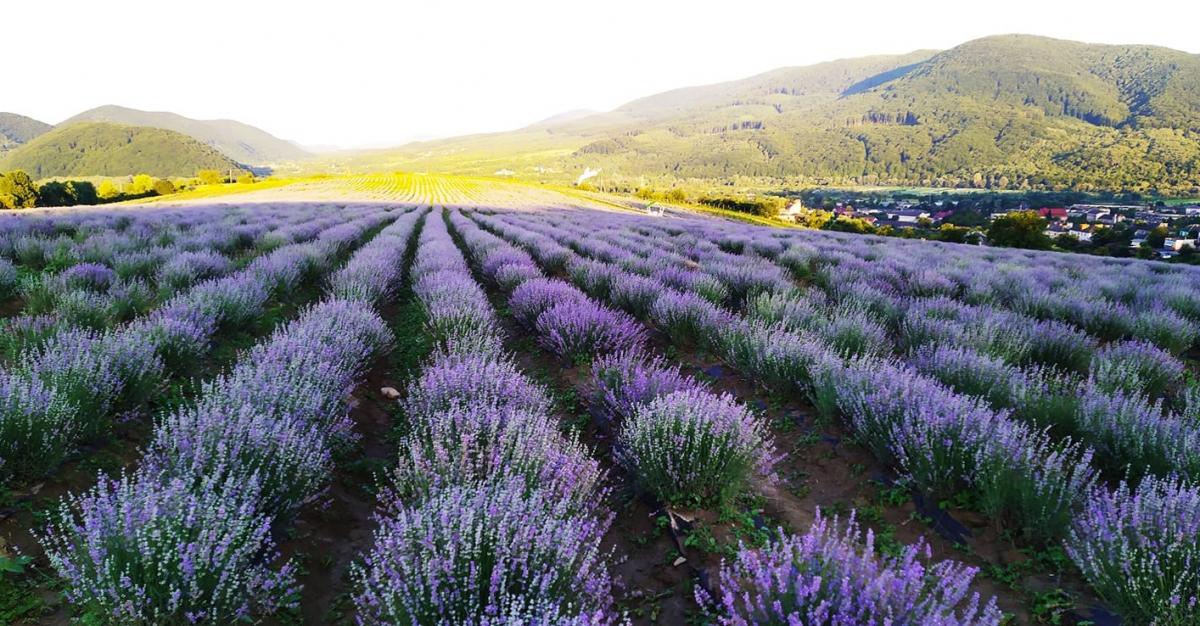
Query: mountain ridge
16, 129
237, 140
105, 149
1007, 111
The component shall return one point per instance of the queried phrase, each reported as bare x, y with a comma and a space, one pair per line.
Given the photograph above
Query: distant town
1134, 229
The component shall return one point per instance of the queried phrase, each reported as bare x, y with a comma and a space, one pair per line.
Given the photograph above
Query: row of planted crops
1056, 390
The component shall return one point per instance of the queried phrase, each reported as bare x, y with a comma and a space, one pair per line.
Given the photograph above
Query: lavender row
940, 440
490, 516
691, 446
724, 277
1111, 298
118, 238
69, 389
1125, 407
115, 278
680, 442
188, 536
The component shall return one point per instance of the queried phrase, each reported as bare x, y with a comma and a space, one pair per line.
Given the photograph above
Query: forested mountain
102, 149
240, 142
1009, 111
18, 129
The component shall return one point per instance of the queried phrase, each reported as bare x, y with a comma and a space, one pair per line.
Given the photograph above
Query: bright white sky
356, 73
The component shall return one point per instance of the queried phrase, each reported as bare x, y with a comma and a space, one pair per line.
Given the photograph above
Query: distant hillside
101, 149
18, 129
1010, 111
240, 142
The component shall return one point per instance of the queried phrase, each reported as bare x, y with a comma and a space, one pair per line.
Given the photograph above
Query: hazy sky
356, 73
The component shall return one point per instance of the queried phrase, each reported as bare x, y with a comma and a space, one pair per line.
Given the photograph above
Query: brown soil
11, 307
327, 538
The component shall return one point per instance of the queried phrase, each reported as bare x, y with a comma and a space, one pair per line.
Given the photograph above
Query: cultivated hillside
240, 142
101, 149
1008, 111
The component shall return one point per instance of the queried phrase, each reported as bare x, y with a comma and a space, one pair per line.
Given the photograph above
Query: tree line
19, 191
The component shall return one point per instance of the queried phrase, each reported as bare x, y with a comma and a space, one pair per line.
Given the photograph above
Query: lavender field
442, 413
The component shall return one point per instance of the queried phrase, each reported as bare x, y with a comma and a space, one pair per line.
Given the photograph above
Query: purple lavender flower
534, 296
142, 550
581, 328
832, 575
8, 279
473, 442
687, 317
1136, 367
1139, 548
495, 554
627, 380
184, 269
37, 427
1168, 330
694, 447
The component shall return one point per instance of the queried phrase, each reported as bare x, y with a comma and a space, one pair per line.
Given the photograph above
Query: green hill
100, 149
1010, 111
18, 129
240, 142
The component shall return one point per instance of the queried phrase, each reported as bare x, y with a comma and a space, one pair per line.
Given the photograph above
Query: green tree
142, 184
108, 190
1067, 241
246, 179
82, 192
952, 233
210, 177
1157, 237
676, 195
17, 191
69, 193
164, 187
1019, 229
53, 193
814, 218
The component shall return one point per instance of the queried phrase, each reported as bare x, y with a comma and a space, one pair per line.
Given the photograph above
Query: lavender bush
472, 443
140, 550
479, 382
693, 447
8, 279
832, 575
581, 328
624, 381
1136, 367
931, 434
687, 317
534, 296
494, 554
37, 427
1027, 481
1139, 548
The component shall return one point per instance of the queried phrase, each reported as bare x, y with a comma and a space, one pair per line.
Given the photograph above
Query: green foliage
1019, 229
163, 187
69, 193
142, 183
17, 191
210, 177
108, 189
763, 206
99, 149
